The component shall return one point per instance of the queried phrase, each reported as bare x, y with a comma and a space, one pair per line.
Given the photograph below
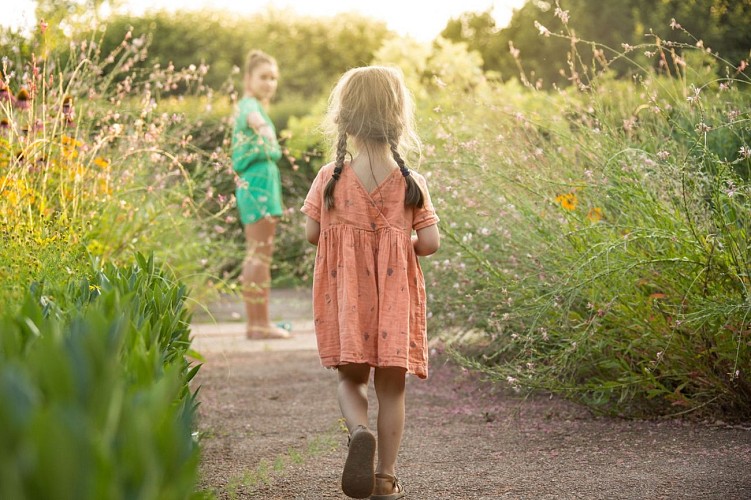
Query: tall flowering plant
97, 159
597, 236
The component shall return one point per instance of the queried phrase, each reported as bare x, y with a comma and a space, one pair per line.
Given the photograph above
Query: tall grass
598, 236
95, 163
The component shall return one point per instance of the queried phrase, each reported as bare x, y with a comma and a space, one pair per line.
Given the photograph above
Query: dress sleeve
425, 216
247, 146
314, 200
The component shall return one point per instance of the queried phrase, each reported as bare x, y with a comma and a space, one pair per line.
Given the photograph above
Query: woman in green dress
255, 151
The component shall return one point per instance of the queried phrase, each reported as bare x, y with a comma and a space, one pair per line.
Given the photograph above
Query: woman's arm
260, 127
312, 230
427, 241
253, 138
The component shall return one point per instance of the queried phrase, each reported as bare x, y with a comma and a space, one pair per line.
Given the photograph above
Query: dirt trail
270, 429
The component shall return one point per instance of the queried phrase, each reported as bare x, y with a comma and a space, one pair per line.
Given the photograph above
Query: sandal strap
392, 479
398, 486
349, 437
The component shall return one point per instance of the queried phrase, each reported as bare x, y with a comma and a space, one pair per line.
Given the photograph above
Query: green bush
598, 237
94, 380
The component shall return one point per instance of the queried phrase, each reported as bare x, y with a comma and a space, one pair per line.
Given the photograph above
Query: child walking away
368, 288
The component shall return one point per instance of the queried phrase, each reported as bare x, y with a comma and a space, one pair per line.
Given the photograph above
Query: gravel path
270, 429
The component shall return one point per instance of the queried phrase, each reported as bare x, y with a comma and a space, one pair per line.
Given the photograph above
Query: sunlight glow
421, 20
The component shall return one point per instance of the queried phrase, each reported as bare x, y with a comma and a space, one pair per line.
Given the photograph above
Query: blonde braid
341, 152
414, 196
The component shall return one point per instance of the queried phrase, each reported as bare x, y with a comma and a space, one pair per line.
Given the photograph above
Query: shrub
94, 379
598, 237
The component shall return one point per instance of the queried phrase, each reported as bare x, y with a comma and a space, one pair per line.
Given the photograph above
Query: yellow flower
95, 248
70, 153
71, 141
104, 186
567, 200
101, 162
16, 191
595, 214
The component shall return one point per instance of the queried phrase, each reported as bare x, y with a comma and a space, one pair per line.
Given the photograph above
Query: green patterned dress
259, 190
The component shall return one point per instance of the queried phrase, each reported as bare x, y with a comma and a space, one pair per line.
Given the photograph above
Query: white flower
542, 29
563, 14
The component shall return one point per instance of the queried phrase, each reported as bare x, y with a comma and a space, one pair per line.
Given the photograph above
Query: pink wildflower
68, 105
23, 99
5, 94
563, 14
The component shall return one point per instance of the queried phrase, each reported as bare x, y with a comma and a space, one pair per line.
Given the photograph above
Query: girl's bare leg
352, 392
389, 387
256, 279
358, 475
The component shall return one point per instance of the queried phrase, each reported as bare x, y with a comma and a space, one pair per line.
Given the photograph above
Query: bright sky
423, 20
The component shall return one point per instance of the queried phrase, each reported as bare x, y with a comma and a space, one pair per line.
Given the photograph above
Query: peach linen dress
368, 288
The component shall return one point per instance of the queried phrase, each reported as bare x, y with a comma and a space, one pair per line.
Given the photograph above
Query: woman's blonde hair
256, 58
373, 104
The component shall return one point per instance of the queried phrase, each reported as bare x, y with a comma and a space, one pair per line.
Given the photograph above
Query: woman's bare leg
256, 279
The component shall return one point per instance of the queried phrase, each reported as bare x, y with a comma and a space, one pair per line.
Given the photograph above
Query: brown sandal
358, 478
388, 482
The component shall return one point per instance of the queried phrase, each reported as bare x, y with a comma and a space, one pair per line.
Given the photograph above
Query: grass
97, 163
600, 240
268, 469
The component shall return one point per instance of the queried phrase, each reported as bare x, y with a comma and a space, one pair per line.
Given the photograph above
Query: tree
722, 25
311, 52
64, 17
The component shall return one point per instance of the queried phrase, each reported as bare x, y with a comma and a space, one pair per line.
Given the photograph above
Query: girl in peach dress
368, 288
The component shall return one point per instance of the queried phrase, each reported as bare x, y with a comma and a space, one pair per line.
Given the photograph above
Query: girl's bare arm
427, 241
312, 231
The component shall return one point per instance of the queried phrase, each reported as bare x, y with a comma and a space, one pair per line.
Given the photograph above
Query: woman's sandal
265, 333
388, 482
284, 325
358, 476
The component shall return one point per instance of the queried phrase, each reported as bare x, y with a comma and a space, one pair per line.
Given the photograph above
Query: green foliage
309, 50
94, 379
14, 45
99, 157
44, 252
723, 26
599, 238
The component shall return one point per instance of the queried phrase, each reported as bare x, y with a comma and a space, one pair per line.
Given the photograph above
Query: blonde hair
373, 104
255, 58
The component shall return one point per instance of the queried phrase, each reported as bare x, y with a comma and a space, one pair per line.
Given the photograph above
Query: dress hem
334, 362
